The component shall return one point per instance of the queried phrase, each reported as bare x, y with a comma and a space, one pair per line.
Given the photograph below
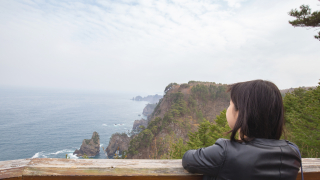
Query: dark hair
260, 107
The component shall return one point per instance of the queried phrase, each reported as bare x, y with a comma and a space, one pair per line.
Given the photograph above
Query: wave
62, 151
39, 155
69, 152
104, 125
72, 156
118, 124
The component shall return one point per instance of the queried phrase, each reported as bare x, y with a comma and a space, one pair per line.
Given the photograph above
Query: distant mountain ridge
152, 99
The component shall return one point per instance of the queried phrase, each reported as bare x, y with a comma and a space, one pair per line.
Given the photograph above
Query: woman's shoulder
258, 141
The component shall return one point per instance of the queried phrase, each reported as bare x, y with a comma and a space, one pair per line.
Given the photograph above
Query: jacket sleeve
207, 160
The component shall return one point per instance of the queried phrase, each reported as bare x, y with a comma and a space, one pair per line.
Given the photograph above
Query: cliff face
180, 111
148, 110
90, 147
120, 141
138, 123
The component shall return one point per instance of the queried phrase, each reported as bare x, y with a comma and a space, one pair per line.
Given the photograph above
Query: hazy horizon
142, 46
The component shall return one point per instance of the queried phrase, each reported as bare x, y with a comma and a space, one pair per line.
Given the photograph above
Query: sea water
51, 124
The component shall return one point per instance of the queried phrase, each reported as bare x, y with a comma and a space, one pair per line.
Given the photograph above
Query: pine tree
305, 18
206, 135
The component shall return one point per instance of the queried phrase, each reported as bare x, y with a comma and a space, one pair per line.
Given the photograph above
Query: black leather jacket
259, 159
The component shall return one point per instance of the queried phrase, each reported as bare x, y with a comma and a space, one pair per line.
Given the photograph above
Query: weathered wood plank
66, 169
309, 176
311, 165
13, 168
112, 177
111, 167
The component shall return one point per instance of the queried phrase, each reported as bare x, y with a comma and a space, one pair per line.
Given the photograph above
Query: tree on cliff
305, 18
206, 135
302, 116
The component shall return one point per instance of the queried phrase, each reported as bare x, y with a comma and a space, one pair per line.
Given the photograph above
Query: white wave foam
101, 145
62, 151
39, 155
36, 155
104, 125
72, 156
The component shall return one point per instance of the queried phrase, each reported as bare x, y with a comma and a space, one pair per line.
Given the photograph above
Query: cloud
235, 3
144, 45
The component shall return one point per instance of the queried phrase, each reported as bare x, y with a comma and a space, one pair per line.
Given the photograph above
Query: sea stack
118, 142
90, 147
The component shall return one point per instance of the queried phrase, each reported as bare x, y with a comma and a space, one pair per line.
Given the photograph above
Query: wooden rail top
50, 168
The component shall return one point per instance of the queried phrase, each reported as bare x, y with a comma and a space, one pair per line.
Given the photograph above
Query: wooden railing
116, 169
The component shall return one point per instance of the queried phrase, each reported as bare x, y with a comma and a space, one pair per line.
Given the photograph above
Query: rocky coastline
120, 141
89, 147
148, 110
150, 98
138, 123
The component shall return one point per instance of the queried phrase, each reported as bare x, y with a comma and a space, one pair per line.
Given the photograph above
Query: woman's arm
207, 160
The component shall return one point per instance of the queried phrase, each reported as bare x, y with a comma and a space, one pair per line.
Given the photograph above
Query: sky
142, 46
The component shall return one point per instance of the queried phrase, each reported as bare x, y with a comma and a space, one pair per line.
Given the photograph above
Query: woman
256, 114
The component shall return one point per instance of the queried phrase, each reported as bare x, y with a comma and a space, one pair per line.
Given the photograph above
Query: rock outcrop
120, 141
90, 147
138, 123
180, 111
149, 109
150, 98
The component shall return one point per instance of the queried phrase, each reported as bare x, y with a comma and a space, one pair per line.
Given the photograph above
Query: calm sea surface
50, 124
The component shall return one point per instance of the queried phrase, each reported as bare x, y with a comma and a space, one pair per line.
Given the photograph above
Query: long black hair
260, 106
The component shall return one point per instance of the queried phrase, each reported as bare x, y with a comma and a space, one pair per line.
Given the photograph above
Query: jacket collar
269, 142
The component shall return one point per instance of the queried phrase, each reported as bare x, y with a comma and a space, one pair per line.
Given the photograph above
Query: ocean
51, 124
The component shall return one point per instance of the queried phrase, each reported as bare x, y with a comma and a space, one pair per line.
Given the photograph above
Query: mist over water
50, 124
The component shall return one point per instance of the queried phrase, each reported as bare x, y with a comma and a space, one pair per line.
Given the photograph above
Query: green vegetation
169, 87
302, 116
184, 86
183, 111
305, 18
206, 135
96, 137
210, 92
87, 141
85, 156
142, 140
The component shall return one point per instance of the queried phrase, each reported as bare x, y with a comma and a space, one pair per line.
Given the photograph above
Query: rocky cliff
120, 141
148, 110
90, 147
177, 114
138, 123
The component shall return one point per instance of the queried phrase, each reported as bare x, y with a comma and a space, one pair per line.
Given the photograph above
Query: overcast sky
141, 46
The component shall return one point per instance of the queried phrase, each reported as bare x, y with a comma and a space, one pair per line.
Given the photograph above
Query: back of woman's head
260, 110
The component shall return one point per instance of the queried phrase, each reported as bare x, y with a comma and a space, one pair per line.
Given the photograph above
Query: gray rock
150, 98
90, 147
138, 123
148, 110
120, 141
